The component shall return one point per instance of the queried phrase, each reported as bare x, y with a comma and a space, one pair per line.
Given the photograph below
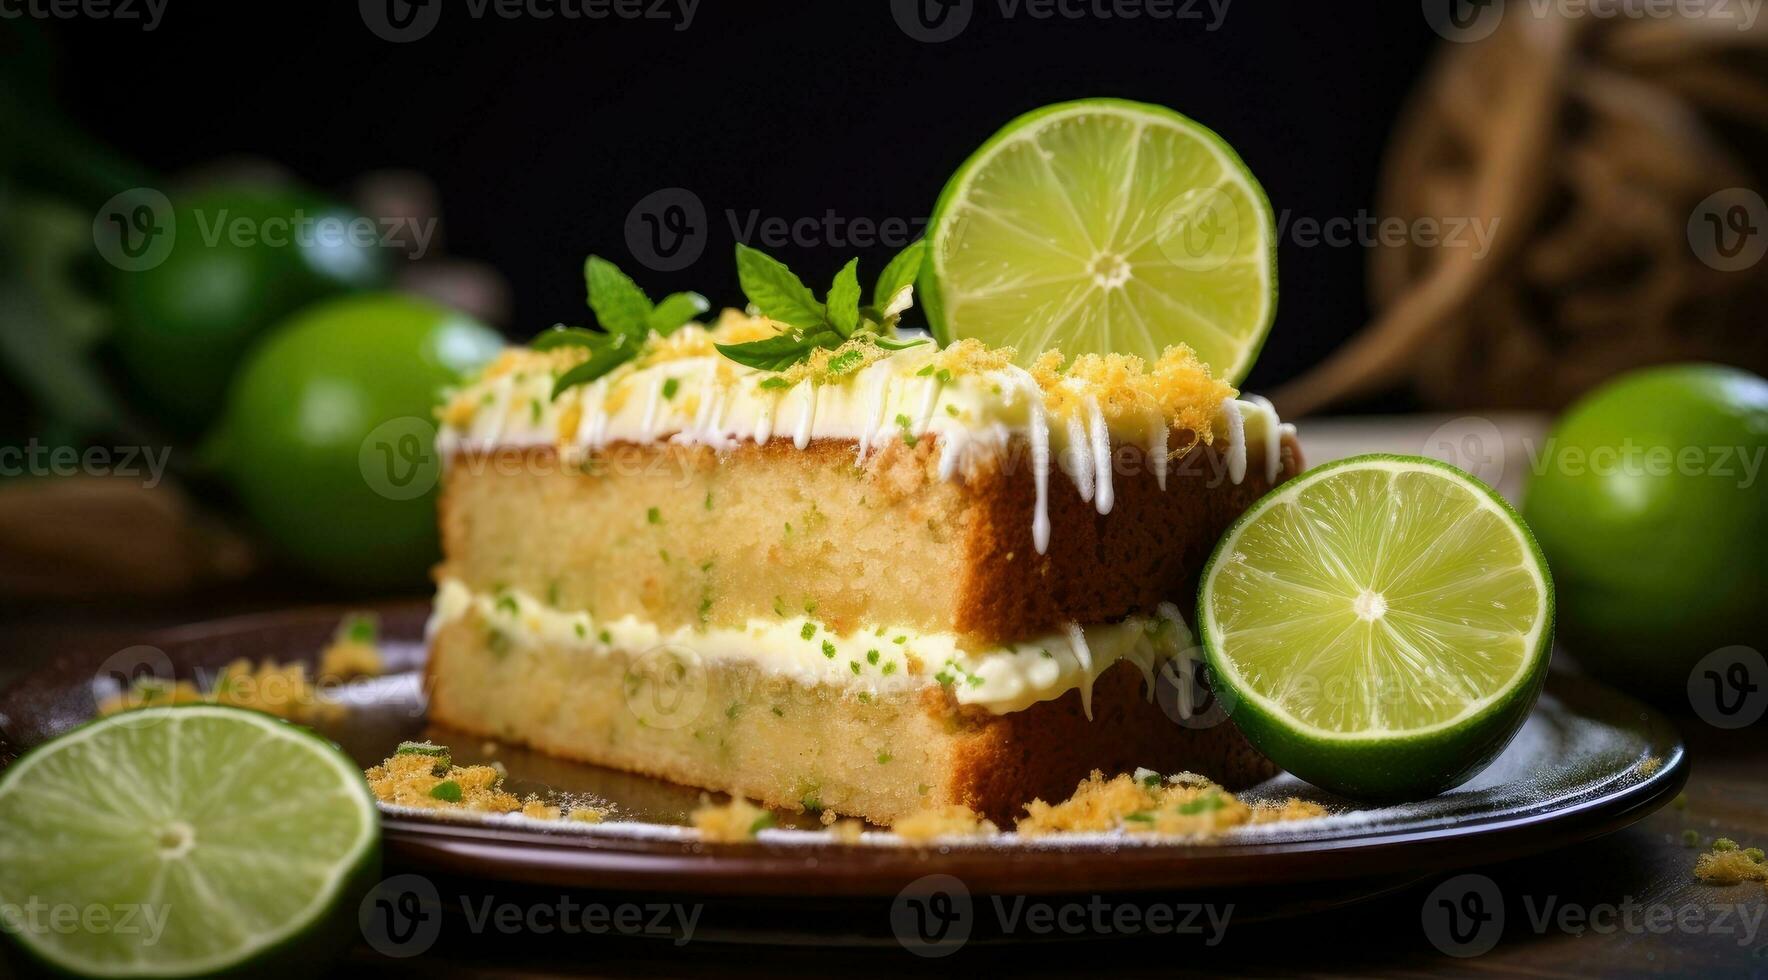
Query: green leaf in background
620, 306
900, 273
676, 309
843, 303
775, 291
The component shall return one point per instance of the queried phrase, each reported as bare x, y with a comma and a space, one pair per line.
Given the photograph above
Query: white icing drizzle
1187, 648
1100, 438
1080, 458
1157, 449
1077, 639
1236, 448
1275, 431
652, 403
801, 437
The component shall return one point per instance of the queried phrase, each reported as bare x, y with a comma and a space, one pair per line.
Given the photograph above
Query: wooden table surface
1622, 905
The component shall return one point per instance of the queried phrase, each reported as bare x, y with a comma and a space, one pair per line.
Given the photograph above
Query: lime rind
1379, 760
1179, 293
89, 814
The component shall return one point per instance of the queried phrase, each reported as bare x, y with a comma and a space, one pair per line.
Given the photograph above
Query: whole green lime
242, 258
1649, 502
328, 437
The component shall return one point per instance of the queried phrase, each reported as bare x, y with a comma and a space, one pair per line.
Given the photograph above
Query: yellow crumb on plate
1146, 802
738, 820
1730, 866
952, 820
846, 831
423, 781
354, 650
283, 690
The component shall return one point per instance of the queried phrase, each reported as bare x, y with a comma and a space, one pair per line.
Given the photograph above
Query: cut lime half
1379, 626
182, 841
1103, 226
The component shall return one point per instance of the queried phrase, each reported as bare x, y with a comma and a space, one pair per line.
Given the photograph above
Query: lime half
1104, 226
182, 841
1379, 626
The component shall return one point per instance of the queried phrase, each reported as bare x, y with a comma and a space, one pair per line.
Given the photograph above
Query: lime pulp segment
1376, 598
1104, 226
206, 835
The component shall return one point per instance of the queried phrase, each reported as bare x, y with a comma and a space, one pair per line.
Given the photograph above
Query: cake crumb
1727, 864
354, 650
534, 809
282, 690
738, 820
952, 820
847, 831
1185, 804
431, 781
1650, 765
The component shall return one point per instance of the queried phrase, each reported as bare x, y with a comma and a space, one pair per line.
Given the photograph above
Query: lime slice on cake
1378, 626
185, 841
1105, 226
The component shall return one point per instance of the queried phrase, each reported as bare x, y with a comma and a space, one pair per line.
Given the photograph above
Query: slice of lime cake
881, 577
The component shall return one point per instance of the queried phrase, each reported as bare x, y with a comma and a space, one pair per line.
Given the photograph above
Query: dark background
543, 134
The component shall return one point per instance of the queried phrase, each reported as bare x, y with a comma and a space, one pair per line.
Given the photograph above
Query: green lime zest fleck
808, 631
447, 791
670, 387
828, 649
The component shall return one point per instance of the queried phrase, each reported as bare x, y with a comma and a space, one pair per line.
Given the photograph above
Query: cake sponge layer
727, 724
687, 536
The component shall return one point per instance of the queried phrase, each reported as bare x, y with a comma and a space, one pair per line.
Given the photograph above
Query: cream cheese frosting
874, 660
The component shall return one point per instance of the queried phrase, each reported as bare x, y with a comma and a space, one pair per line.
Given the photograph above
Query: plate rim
760, 868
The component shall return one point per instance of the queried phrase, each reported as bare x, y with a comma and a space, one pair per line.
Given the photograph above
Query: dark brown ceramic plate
1588, 762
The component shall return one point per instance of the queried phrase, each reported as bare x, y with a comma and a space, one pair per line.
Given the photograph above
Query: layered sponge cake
873, 583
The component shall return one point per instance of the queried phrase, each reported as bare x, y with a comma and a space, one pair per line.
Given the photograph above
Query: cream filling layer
875, 661
708, 401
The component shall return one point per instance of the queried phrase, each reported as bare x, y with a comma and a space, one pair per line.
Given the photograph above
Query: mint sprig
627, 318
812, 325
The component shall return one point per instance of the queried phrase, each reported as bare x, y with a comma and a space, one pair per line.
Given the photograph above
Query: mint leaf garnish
775, 291
811, 325
619, 305
627, 318
674, 310
844, 300
899, 274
